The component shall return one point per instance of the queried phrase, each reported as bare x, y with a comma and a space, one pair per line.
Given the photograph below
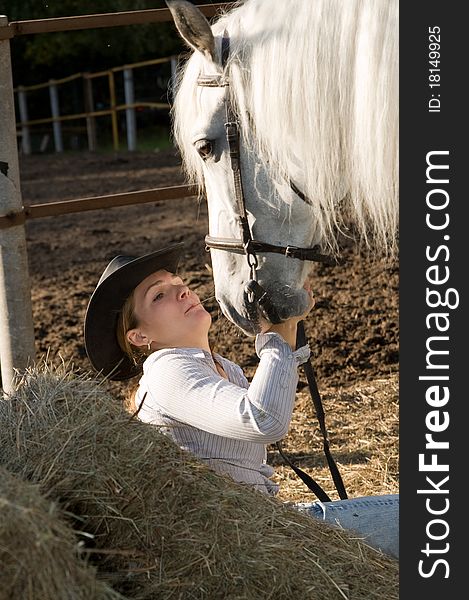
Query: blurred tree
37, 58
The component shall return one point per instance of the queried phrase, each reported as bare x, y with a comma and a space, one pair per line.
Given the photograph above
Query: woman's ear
136, 338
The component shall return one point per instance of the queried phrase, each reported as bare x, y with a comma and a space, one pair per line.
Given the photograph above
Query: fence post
89, 108
172, 81
16, 320
130, 112
56, 125
23, 106
112, 102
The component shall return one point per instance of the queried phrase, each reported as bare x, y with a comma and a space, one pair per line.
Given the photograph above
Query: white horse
313, 85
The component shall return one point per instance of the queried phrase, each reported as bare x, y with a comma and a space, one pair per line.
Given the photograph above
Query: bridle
255, 294
247, 244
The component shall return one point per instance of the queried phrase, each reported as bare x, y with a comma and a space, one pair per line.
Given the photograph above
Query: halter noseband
247, 244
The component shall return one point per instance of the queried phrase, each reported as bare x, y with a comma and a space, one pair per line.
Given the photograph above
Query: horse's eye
204, 148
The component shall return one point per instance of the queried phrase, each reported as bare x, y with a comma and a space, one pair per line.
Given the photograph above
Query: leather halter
247, 244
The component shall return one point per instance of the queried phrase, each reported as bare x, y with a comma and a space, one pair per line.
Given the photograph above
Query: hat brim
104, 307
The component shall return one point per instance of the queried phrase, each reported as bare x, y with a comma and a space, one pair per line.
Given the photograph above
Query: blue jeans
374, 518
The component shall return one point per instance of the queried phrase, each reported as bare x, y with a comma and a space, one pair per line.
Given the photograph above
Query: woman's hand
287, 329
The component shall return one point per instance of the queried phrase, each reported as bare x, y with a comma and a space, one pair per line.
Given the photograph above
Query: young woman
141, 309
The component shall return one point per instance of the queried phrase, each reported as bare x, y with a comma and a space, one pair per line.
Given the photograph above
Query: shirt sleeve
189, 391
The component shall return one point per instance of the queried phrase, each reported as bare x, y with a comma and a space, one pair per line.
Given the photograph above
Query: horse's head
313, 90
275, 213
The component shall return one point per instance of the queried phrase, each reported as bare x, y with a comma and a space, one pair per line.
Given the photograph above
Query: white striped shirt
225, 423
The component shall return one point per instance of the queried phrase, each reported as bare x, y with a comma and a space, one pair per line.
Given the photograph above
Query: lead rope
307, 480
318, 407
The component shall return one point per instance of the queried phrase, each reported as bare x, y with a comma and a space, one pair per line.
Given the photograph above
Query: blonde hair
126, 321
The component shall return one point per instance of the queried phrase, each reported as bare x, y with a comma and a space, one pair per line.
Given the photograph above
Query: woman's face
168, 314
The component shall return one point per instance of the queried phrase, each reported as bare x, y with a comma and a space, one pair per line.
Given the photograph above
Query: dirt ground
353, 330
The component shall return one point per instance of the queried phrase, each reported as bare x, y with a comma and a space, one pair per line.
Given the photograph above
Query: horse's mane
315, 83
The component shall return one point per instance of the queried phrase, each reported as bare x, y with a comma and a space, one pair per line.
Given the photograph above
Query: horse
286, 117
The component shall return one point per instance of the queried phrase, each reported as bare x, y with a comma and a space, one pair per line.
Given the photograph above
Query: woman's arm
189, 390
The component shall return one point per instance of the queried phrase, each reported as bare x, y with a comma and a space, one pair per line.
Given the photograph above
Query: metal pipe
135, 17
25, 135
55, 110
89, 107
16, 320
130, 119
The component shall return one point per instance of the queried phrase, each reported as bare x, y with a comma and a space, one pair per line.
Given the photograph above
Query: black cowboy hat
120, 278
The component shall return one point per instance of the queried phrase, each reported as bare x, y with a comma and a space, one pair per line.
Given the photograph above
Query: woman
203, 401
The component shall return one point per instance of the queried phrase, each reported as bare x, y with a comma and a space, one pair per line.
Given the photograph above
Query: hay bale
39, 551
163, 524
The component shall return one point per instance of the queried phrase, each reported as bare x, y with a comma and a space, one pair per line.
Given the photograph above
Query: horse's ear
193, 27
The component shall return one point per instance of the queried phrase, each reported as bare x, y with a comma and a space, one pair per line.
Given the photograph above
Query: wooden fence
90, 114
16, 322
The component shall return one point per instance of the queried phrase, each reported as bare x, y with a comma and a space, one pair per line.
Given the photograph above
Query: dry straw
39, 555
162, 524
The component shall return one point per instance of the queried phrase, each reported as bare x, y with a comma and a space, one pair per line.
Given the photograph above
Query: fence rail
96, 113
65, 207
118, 19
